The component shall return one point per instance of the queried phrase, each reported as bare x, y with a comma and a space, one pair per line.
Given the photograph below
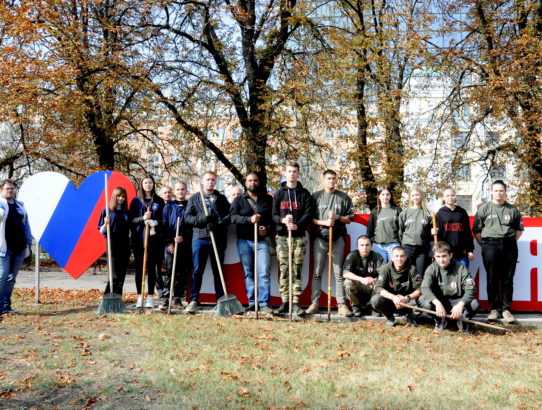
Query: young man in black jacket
250, 208
217, 221
292, 211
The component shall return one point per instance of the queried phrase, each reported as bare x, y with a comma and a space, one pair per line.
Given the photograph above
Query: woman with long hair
119, 228
415, 229
383, 227
146, 209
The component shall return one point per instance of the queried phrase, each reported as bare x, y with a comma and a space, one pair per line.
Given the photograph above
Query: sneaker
159, 292
178, 303
284, 308
356, 311
390, 322
149, 304
192, 307
10, 311
463, 327
313, 309
250, 308
508, 317
139, 303
440, 325
374, 313
164, 305
344, 311
266, 310
296, 310
411, 322
493, 315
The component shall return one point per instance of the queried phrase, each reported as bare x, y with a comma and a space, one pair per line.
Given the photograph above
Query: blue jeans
201, 250
9, 267
246, 254
464, 260
384, 250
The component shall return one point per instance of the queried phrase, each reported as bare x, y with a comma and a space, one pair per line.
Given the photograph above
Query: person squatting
387, 274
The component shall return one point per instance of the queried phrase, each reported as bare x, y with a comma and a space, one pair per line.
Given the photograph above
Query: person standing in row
119, 228
166, 193
15, 242
292, 212
254, 207
497, 227
360, 272
415, 229
383, 227
183, 265
453, 227
146, 209
216, 221
332, 208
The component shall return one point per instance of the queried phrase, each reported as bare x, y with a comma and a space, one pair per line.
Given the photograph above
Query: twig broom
227, 305
111, 302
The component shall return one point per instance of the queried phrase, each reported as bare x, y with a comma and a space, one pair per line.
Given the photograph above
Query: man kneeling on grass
360, 271
398, 282
447, 287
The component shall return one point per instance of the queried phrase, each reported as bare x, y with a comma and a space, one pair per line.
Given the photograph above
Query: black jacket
219, 212
297, 202
136, 212
454, 229
172, 210
241, 211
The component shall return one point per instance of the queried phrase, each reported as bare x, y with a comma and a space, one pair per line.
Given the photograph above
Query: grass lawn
61, 354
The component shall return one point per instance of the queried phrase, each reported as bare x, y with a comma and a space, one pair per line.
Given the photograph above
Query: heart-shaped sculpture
64, 220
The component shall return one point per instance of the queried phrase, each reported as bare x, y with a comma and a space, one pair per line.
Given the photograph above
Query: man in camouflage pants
292, 212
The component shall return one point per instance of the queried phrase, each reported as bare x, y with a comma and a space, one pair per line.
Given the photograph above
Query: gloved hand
27, 252
152, 223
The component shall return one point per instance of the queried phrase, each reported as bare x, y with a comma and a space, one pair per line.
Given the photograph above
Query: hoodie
454, 229
295, 201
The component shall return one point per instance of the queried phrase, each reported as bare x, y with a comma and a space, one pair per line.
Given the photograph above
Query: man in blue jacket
15, 241
183, 265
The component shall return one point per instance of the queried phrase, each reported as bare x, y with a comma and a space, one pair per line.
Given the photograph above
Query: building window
221, 132
460, 139
465, 202
331, 159
153, 163
343, 157
330, 133
492, 137
343, 131
498, 172
463, 172
236, 133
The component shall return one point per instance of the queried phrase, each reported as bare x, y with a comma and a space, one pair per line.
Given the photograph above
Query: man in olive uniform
497, 227
398, 282
360, 273
332, 208
448, 288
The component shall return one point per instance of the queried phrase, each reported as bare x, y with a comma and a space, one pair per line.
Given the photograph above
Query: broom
144, 273
329, 268
256, 269
172, 278
227, 305
474, 322
290, 280
111, 302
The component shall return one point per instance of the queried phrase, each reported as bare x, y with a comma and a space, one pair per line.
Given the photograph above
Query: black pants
468, 312
418, 256
500, 256
120, 254
387, 307
155, 253
183, 268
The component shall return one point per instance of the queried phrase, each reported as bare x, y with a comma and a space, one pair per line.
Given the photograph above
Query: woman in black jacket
145, 209
119, 228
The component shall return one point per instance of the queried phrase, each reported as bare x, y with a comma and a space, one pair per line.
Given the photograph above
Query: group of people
389, 268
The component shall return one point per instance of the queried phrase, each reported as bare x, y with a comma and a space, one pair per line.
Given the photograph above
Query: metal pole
37, 273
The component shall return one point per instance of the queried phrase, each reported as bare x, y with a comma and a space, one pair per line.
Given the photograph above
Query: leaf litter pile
60, 354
